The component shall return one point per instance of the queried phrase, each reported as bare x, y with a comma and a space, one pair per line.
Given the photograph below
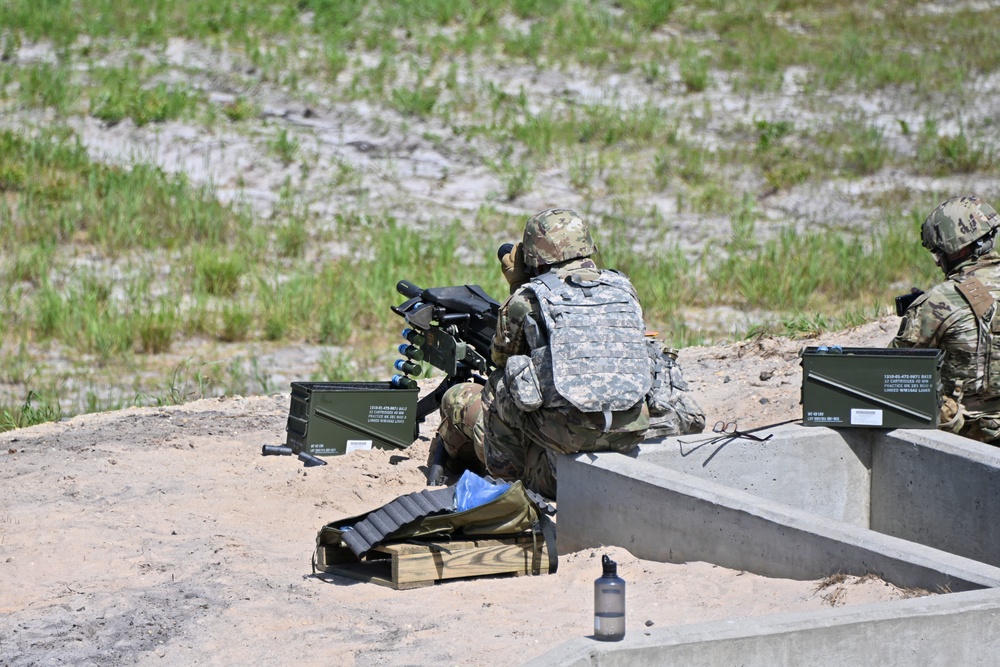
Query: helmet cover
554, 236
957, 223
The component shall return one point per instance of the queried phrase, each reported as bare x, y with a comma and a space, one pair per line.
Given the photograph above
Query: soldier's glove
513, 267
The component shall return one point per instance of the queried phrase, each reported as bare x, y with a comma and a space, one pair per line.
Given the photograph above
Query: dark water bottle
609, 603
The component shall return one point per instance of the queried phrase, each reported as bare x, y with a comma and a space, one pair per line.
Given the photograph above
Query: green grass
240, 109
235, 288
120, 94
419, 102
176, 266
847, 42
285, 146
694, 70
36, 409
51, 178
48, 86
156, 326
832, 268
940, 154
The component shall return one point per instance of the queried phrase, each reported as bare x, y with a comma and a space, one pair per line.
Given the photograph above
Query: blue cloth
472, 491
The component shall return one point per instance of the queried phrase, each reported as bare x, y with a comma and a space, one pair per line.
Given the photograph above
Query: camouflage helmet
957, 223
555, 236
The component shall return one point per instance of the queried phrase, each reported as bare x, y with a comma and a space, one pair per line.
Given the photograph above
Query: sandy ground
162, 536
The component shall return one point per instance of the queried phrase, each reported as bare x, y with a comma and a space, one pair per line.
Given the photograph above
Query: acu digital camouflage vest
984, 308
593, 353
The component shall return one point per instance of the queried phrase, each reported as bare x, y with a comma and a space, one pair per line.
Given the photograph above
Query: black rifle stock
903, 301
451, 328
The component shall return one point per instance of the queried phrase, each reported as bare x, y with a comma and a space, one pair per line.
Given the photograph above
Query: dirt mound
757, 381
163, 532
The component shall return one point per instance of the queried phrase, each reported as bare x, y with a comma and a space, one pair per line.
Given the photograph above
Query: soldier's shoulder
520, 303
935, 305
988, 272
942, 292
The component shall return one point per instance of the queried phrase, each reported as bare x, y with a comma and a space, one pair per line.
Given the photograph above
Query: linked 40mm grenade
609, 603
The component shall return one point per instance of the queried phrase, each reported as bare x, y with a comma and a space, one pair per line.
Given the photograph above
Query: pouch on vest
522, 383
661, 391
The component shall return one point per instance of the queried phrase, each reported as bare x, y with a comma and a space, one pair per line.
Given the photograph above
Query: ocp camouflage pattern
956, 223
555, 236
970, 372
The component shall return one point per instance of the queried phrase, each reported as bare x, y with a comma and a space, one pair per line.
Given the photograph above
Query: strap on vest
979, 298
550, 280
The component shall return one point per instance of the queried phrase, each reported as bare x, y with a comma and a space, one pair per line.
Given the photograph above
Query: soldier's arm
924, 321
509, 338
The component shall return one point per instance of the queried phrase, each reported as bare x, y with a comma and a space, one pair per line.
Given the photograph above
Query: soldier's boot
442, 466
436, 461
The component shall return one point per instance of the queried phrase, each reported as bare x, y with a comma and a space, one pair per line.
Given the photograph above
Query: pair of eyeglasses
729, 429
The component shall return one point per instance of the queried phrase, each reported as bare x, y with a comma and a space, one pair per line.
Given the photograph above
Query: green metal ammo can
332, 418
870, 387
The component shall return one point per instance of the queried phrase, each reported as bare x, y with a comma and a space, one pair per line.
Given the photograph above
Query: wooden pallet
417, 564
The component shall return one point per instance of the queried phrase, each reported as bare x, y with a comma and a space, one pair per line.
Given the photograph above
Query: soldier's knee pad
461, 408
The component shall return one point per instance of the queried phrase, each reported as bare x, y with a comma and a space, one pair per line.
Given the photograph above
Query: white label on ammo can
355, 445
866, 417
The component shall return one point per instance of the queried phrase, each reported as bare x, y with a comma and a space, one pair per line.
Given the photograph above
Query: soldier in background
959, 316
576, 372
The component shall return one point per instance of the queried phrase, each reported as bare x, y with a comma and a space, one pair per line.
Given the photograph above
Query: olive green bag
428, 515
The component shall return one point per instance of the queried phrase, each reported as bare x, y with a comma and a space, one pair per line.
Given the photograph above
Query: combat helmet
958, 223
554, 236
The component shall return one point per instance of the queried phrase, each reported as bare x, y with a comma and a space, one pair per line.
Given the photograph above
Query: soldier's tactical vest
984, 306
593, 352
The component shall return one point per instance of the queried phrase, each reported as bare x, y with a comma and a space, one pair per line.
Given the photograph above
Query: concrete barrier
817, 470
662, 515
945, 630
940, 490
917, 508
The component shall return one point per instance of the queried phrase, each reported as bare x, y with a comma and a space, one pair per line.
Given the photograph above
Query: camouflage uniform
515, 444
944, 318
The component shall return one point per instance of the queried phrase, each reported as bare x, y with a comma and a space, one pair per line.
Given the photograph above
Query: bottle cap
610, 567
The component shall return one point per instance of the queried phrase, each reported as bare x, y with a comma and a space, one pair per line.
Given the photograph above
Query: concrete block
946, 630
938, 489
659, 514
818, 470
